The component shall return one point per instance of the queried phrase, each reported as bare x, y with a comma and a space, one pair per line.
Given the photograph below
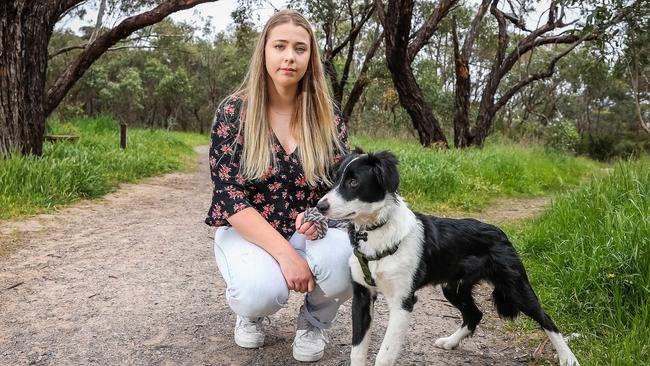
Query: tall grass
589, 260
439, 180
88, 168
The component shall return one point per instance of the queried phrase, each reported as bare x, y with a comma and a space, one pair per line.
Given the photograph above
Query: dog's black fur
455, 253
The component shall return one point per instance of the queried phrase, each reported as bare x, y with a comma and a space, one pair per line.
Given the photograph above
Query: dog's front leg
362, 311
398, 322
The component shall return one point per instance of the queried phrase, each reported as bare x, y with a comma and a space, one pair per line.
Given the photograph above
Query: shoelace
314, 333
257, 324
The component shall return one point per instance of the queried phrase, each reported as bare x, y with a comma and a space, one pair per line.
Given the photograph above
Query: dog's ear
357, 150
385, 168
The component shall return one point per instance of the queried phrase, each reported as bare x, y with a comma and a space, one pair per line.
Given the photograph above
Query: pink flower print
268, 209
226, 149
239, 206
213, 162
293, 213
276, 148
275, 186
222, 130
300, 195
229, 109
258, 198
236, 194
240, 179
275, 224
301, 181
224, 172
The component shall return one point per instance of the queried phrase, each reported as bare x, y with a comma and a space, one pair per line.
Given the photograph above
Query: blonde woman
273, 144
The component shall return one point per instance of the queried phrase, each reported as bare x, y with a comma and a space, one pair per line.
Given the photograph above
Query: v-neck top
280, 195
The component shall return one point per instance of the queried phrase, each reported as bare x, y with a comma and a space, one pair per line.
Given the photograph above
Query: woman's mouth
287, 71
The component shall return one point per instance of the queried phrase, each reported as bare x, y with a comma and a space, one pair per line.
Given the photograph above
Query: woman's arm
255, 229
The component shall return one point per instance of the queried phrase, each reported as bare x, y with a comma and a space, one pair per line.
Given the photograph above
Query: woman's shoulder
232, 103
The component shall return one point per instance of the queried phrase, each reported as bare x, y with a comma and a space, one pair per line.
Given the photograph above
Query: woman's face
287, 54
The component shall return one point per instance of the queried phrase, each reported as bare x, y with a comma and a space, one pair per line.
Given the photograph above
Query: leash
364, 260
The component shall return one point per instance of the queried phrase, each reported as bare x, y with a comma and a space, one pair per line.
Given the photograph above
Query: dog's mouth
341, 217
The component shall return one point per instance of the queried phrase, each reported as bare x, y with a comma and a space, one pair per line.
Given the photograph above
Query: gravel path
131, 279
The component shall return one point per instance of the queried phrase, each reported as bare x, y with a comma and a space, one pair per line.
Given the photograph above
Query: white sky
219, 11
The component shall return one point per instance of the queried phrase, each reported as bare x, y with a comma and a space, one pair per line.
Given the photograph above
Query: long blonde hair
313, 120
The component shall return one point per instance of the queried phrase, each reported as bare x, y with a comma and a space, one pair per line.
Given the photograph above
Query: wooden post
123, 135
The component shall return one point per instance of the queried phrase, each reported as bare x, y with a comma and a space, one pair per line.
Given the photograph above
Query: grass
90, 167
468, 180
588, 258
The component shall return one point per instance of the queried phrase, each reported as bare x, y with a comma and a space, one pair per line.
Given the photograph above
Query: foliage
90, 167
444, 180
588, 257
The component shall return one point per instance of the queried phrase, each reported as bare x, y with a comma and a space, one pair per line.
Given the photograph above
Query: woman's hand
296, 272
308, 229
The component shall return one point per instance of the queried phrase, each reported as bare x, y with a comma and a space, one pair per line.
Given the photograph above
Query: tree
25, 30
401, 48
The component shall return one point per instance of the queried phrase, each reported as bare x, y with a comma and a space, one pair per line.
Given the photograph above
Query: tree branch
355, 31
537, 76
74, 71
422, 35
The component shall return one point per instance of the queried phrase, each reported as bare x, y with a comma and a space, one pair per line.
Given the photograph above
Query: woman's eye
301, 50
279, 46
353, 183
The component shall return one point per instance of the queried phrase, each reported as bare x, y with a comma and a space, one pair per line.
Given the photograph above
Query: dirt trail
131, 279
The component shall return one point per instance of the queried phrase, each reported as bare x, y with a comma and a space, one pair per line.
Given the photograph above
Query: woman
273, 144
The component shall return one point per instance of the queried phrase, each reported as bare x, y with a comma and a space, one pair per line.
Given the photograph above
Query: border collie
398, 251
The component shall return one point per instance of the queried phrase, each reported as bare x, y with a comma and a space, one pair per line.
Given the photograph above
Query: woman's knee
328, 259
257, 299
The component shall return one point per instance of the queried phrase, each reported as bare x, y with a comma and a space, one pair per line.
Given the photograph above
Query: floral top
279, 196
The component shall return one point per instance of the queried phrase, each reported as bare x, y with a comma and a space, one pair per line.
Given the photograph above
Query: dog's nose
323, 206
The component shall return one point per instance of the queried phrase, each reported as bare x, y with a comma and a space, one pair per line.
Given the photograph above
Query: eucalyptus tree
26, 27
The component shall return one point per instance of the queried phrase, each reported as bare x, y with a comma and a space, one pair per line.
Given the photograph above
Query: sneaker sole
308, 358
248, 344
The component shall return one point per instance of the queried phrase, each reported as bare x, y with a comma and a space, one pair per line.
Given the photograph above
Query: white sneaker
249, 333
310, 341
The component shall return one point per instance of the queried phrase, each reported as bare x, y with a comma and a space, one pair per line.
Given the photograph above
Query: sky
219, 11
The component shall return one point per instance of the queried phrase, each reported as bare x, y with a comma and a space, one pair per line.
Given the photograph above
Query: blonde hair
313, 120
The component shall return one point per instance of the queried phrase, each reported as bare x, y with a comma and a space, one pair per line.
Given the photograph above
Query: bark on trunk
25, 30
397, 27
462, 133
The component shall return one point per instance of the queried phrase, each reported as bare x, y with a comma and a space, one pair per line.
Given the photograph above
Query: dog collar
374, 226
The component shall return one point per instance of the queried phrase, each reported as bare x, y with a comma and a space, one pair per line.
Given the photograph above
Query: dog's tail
512, 291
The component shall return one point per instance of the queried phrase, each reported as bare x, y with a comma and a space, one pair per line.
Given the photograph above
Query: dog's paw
447, 342
569, 361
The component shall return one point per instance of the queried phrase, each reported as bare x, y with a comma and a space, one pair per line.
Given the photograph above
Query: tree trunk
25, 30
397, 27
462, 133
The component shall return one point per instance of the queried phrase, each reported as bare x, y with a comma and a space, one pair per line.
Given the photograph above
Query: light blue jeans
256, 286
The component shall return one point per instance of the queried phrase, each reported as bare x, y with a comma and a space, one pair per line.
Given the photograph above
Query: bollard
123, 135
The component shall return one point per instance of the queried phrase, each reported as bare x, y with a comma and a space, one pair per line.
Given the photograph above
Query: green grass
468, 180
90, 167
588, 258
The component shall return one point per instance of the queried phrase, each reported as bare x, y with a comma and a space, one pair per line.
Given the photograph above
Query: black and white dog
398, 251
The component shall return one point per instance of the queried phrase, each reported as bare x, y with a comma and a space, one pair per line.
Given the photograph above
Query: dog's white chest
390, 274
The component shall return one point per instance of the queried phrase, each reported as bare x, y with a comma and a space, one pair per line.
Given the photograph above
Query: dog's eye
353, 183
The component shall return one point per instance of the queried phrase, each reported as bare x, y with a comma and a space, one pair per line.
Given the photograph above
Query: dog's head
364, 184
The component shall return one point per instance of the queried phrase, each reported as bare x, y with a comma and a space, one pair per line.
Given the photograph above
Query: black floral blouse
279, 196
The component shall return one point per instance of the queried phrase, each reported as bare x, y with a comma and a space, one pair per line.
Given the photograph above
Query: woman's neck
282, 99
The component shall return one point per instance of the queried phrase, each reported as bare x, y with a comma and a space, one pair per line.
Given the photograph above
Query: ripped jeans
256, 286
